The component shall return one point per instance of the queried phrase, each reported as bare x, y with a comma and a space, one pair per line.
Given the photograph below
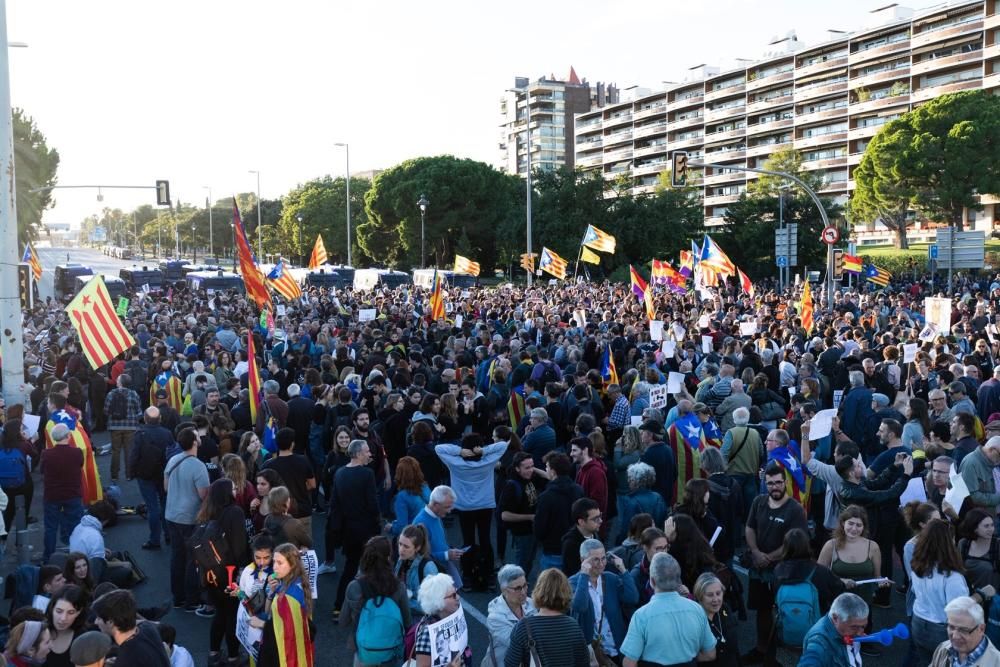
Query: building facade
551, 104
826, 101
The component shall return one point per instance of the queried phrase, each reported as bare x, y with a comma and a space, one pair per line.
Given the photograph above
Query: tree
939, 158
787, 161
566, 202
35, 166
323, 206
463, 194
880, 199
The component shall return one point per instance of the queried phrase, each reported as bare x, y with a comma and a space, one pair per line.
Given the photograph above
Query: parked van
136, 277
425, 278
171, 270
215, 281
375, 278
327, 278
115, 285
65, 279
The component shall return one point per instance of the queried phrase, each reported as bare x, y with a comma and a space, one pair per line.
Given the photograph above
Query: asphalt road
95, 259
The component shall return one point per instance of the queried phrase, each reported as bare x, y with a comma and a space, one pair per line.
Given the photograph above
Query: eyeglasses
965, 632
518, 589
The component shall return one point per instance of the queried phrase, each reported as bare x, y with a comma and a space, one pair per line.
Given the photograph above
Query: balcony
992, 51
834, 187
925, 66
684, 103
728, 135
762, 128
825, 163
715, 221
651, 168
991, 81
880, 104
644, 189
991, 21
682, 123
589, 160
820, 67
617, 155
718, 200
652, 149
729, 177
854, 159
951, 32
812, 92
772, 103
875, 52
618, 120
722, 157
657, 109
863, 132
766, 149
612, 174
584, 146
821, 140
617, 137
723, 93
943, 89
879, 77
817, 116
648, 130
679, 144
764, 82
716, 115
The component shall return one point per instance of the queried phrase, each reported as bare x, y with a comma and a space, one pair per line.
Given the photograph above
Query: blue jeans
183, 578
525, 547
60, 513
751, 488
151, 496
549, 560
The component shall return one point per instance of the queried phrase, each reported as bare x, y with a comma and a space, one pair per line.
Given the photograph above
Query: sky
199, 93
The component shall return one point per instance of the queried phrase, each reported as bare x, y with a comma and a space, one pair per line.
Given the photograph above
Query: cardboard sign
122, 308
707, 343
669, 347
366, 315
910, 353
938, 311
675, 382
656, 329
658, 396
458, 321
280, 310
748, 328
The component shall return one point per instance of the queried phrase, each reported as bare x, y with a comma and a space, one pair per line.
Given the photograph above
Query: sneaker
205, 611
327, 568
192, 608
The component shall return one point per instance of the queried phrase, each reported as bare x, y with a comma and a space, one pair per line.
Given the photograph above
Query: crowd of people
793, 477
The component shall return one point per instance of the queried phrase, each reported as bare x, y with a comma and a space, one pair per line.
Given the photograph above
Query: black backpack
211, 555
548, 373
119, 405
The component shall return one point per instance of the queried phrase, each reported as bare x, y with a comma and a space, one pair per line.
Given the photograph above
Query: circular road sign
830, 235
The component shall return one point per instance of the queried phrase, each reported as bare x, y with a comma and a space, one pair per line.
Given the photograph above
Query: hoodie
553, 513
87, 537
500, 621
593, 479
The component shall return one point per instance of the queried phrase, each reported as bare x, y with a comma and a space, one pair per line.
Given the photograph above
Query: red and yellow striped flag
318, 256
30, 257
282, 282
290, 619
466, 266
253, 379
553, 264
252, 277
90, 478
436, 304
806, 308
102, 334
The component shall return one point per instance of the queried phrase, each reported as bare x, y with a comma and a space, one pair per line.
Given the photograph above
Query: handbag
598, 658
533, 659
410, 643
772, 411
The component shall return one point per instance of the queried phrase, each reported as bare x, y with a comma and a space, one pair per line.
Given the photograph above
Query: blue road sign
782, 261
933, 250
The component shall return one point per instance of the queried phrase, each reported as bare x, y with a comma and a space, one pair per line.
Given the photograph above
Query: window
823, 82
690, 134
824, 129
823, 57
953, 51
875, 121
883, 40
787, 114
773, 139
950, 22
883, 67
771, 71
951, 77
728, 190
687, 95
825, 154
728, 83
772, 95
826, 105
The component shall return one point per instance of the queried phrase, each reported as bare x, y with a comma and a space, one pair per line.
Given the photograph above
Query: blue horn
886, 636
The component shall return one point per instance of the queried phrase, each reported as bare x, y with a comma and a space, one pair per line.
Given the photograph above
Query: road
95, 259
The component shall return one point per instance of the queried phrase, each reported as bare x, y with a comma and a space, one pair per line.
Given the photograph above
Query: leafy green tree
35, 166
566, 202
787, 161
939, 158
463, 194
323, 206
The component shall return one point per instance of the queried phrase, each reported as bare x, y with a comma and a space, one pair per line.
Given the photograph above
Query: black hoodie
553, 513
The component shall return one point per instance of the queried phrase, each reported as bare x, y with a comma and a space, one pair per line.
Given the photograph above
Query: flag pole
579, 254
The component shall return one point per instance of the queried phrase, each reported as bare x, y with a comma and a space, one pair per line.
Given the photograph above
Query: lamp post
302, 255
260, 241
347, 183
423, 204
194, 245
208, 205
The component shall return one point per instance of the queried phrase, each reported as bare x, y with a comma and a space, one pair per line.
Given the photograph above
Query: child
253, 580
179, 656
50, 579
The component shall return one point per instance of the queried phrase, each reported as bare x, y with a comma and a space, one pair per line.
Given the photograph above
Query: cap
89, 648
60, 432
652, 426
880, 399
957, 387
161, 393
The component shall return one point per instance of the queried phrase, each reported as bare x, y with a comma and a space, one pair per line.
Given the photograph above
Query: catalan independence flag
282, 282
552, 264
713, 257
852, 264
609, 373
290, 619
90, 480
516, 406
253, 379
797, 482
684, 439
254, 281
318, 257
806, 308
589, 256
880, 277
30, 257
598, 240
169, 383
466, 266
102, 334
436, 303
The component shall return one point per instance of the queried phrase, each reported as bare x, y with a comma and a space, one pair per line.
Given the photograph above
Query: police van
115, 285
215, 281
171, 270
425, 278
346, 273
65, 279
376, 278
325, 277
136, 277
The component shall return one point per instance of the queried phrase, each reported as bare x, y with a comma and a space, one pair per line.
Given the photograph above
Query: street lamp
260, 241
208, 205
347, 182
423, 204
194, 245
302, 255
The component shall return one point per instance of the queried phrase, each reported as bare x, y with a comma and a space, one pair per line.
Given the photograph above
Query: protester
826, 644
551, 635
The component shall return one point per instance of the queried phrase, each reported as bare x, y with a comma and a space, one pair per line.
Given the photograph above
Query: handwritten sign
910, 352
658, 396
656, 329
366, 315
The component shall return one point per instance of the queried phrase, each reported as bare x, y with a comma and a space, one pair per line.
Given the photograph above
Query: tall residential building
553, 104
826, 101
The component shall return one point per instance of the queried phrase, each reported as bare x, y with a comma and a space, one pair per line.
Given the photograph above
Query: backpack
119, 405
548, 374
798, 610
12, 468
211, 555
380, 633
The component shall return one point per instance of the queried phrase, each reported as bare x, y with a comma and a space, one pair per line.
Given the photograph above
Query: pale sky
199, 93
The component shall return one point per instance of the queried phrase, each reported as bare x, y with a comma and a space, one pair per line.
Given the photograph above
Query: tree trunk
958, 219
900, 240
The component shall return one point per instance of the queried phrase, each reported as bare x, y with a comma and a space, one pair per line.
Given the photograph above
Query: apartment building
826, 101
551, 104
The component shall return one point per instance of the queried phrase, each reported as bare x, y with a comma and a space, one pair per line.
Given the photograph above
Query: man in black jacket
553, 511
300, 411
145, 464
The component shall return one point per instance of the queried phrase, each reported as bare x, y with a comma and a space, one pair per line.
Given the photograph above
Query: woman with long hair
220, 507
413, 493
249, 451
851, 555
695, 505
287, 622
77, 571
267, 479
336, 459
449, 418
918, 424
980, 548
66, 618
414, 563
235, 470
689, 548
375, 579
17, 447
938, 577
797, 564
555, 636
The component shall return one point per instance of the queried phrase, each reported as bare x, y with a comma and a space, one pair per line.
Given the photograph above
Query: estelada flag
436, 303
90, 478
553, 264
609, 373
102, 334
290, 619
282, 282
170, 383
31, 258
798, 482
745, 284
806, 308
253, 379
684, 439
589, 256
599, 240
252, 278
880, 277
515, 406
466, 266
318, 257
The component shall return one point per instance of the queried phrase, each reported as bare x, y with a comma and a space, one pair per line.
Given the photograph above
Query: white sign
29, 424
910, 352
938, 311
821, 424
656, 329
366, 315
465, 294
958, 492
449, 638
679, 332
669, 347
458, 321
707, 343
748, 328
280, 309
914, 491
675, 382
310, 563
658, 396
703, 322
249, 636
838, 396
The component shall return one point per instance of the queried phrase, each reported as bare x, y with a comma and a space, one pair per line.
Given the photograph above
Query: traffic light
163, 193
528, 261
24, 286
838, 263
678, 169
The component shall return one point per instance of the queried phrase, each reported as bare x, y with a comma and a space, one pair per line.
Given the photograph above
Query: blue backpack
12, 468
380, 632
798, 610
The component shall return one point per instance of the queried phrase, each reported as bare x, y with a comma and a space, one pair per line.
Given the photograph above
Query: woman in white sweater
938, 578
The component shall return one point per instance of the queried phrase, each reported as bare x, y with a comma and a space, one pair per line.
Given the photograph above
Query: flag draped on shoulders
170, 383
806, 308
252, 278
253, 379
684, 439
608, 370
798, 482
290, 618
90, 478
515, 406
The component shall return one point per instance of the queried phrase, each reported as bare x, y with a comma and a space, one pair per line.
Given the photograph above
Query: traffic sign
830, 235
933, 250
782, 261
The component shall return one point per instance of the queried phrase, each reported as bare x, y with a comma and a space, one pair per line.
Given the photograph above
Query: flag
608, 371
695, 256
171, 384
880, 277
597, 240
686, 263
745, 283
852, 264
290, 621
515, 406
552, 264
31, 258
90, 478
638, 284
282, 282
252, 278
466, 266
647, 298
253, 379
589, 256
270, 441
318, 256
798, 484
806, 308
684, 439
436, 303
102, 334
713, 257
